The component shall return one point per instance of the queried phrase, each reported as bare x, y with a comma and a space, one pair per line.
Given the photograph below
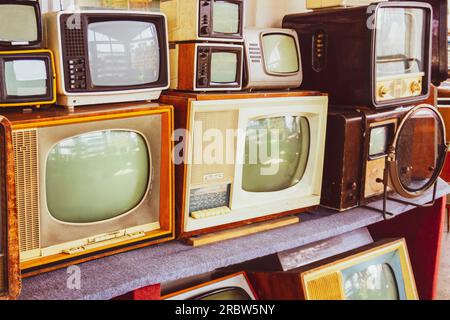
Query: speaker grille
27, 188
328, 287
73, 37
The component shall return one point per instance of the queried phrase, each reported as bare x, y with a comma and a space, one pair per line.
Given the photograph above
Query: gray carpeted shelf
116, 275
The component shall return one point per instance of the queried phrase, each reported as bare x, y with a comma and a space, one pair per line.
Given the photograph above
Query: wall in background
270, 13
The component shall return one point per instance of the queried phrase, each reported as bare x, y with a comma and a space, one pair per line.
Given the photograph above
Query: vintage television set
233, 287
320, 4
247, 157
108, 56
9, 235
272, 59
206, 67
27, 78
377, 55
205, 20
402, 148
378, 271
21, 26
92, 182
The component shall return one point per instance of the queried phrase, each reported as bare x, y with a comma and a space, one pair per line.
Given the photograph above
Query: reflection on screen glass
235, 294
280, 53
123, 53
225, 17
18, 23
400, 35
97, 176
379, 138
26, 78
276, 153
224, 67
376, 282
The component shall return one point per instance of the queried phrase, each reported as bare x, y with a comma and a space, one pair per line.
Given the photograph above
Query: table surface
116, 275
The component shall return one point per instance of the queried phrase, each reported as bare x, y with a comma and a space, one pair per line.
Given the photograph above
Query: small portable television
378, 271
21, 26
108, 56
246, 157
377, 56
10, 283
234, 287
92, 182
206, 67
403, 149
205, 20
28, 78
272, 59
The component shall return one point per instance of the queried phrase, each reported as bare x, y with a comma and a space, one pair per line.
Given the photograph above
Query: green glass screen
225, 17
18, 23
97, 176
379, 138
276, 153
224, 67
280, 53
26, 78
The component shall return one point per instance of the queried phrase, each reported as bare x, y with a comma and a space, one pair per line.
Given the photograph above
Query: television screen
280, 53
376, 279
19, 23
97, 176
234, 294
225, 17
400, 36
276, 153
224, 67
379, 138
123, 53
26, 77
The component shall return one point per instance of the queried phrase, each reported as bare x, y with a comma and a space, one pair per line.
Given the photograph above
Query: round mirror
420, 151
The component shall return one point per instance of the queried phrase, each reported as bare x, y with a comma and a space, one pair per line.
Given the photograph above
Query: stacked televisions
95, 178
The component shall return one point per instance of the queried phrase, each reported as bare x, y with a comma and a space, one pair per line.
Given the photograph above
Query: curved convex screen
225, 17
280, 53
235, 294
123, 53
419, 150
224, 67
26, 77
276, 153
97, 176
18, 23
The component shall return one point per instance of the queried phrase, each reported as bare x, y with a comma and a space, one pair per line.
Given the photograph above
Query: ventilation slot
255, 53
27, 188
74, 38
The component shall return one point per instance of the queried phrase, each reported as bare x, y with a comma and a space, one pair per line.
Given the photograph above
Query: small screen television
205, 20
377, 56
206, 67
21, 26
412, 139
379, 271
108, 56
272, 59
28, 78
91, 181
9, 234
235, 287
247, 157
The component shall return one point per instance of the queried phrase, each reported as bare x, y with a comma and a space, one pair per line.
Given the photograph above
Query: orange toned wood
8, 212
57, 116
241, 231
182, 104
186, 66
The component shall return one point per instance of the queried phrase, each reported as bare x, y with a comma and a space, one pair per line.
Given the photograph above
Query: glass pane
18, 23
379, 138
224, 67
225, 17
376, 282
97, 176
235, 294
418, 149
123, 53
280, 53
400, 35
276, 153
26, 78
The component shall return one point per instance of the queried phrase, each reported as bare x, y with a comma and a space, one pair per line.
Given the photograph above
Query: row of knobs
414, 87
